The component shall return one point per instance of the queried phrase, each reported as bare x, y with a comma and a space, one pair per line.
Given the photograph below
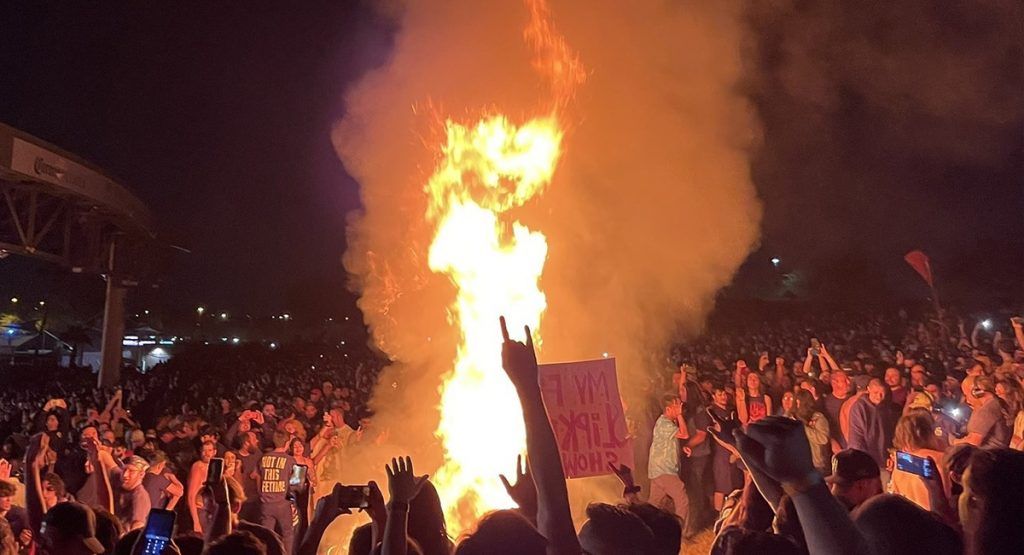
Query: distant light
346, 318
776, 261
145, 311
235, 340
200, 310
224, 339
286, 316
14, 300
987, 324
605, 355
158, 352
223, 315
428, 339
273, 345
42, 303
10, 331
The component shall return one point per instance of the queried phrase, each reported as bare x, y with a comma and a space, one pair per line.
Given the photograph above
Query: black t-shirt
155, 484
275, 468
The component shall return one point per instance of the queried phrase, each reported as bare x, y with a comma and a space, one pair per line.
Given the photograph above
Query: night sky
219, 118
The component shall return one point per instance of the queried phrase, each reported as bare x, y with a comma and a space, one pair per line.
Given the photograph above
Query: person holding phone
915, 440
196, 478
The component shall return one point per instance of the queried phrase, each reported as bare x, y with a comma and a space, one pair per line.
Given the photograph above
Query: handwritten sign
582, 399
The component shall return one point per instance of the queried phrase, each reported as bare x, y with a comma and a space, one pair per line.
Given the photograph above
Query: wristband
630, 490
802, 485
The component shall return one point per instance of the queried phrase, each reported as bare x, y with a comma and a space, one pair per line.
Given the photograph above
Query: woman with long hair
817, 430
915, 435
697, 451
751, 402
787, 405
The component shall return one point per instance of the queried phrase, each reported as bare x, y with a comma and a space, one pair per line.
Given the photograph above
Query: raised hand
721, 428
778, 447
524, 491
5, 469
402, 483
519, 359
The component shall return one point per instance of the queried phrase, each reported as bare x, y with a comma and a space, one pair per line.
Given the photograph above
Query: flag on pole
920, 263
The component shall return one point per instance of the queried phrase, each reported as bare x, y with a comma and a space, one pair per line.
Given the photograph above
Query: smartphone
158, 531
298, 475
353, 497
816, 346
914, 464
215, 470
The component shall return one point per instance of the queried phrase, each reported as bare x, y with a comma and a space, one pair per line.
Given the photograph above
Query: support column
113, 324
113, 333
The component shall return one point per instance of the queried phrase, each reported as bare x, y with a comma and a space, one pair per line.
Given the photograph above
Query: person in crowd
751, 402
898, 390
833, 404
196, 478
663, 460
69, 528
915, 435
727, 474
872, 421
272, 474
855, 477
16, 517
988, 425
991, 507
816, 428
787, 405
131, 501
1011, 392
162, 486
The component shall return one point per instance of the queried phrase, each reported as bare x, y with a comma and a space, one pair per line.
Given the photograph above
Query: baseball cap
851, 465
75, 519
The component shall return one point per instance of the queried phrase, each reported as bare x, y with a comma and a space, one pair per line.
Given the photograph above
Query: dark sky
218, 117
897, 126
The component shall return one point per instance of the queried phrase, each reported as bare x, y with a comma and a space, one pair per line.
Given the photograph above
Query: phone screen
215, 471
914, 464
159, 530
354, 497
298, 475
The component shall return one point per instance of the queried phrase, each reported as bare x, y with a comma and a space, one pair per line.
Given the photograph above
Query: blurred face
119, 452
840, 384
209, 452
787, 401
5, 504
876, 393
52, 423
229, 463
90, 433
310, 411
917, 376
753, 382
720, 397
225, 405
892, 377
673, 410
268, 409
298, 449
131, 477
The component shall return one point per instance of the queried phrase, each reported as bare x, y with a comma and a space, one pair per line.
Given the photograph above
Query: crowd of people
840, 434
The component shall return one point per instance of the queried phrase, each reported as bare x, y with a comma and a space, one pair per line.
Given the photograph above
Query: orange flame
495, 263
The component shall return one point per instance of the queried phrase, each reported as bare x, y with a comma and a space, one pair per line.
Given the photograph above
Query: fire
487, 169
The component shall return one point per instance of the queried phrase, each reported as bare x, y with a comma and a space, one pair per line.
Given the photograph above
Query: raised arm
1018, 331
828, 358
404, 486
103, 463
778, 447
554, 520
174, 490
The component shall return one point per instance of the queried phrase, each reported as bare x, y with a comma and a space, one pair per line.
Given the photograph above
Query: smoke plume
649, 214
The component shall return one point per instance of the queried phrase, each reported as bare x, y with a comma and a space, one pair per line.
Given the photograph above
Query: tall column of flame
486, 169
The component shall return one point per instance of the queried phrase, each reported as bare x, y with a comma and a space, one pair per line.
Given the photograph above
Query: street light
223, 315
14, 300
776, 261
200, 310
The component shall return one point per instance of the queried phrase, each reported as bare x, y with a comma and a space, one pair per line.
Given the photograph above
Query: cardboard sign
582, 399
